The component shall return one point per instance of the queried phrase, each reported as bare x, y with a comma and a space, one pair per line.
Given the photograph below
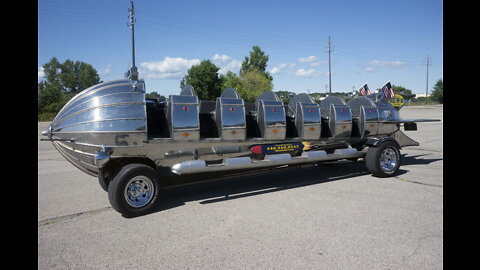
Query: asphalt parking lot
333, 216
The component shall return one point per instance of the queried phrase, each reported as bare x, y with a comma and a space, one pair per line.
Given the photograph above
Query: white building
420, 95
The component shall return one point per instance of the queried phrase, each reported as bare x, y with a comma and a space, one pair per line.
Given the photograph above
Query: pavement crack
415, 182
54, 220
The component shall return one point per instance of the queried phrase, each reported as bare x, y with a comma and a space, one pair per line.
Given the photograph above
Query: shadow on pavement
416, 160
258, 183
236, 187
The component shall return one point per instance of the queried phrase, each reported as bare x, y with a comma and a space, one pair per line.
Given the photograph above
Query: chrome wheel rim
139, 191
388, 160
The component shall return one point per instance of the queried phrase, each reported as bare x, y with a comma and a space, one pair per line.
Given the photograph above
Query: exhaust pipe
201, 166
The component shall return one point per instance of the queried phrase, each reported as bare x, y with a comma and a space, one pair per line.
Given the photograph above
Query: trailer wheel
134, 190
383, 160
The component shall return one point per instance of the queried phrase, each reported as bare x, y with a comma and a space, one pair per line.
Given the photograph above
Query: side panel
340, 121
184, 118
272, 120
308, 121
368, 121
230, 118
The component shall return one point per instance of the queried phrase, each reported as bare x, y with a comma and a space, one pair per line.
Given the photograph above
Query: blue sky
372, 41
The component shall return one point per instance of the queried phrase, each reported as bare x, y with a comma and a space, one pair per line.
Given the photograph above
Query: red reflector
274, 110
257, 149
311, 110
232, 109
185, 108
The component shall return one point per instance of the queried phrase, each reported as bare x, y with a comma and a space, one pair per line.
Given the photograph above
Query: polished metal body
110, 121
104, 121
183, 118
307, 115
230, 116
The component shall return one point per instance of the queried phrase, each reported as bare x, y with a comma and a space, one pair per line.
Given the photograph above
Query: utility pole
427, 63
133, 73
329, 66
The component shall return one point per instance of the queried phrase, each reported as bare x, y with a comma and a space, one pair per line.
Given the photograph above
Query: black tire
102, 181
134, 190
383, 160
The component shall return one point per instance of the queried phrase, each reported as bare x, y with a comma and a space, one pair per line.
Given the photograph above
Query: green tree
50, 98
230, 80
256, 62
249, 85
254, 83
437, 93
397, 89
63, 81
154, 94
204, 79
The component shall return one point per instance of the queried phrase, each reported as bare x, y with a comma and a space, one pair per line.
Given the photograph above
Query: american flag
388, 91
364, 91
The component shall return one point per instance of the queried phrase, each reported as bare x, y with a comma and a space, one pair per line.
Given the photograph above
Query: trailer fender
375, 142
113, 165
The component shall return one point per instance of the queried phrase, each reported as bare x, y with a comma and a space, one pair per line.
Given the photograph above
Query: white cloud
41, 73
275, 70
310, 73
233, 66
387, 63
369, 69
308, 59
318, 63
169, 68
106, 71
221, 58
278, 68
226, 63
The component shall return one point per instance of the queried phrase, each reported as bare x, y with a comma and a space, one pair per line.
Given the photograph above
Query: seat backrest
230, 116
308, 121
340, 121
368, 121
356, 103
325, 105
183, 116
187, 90
271, 119
307, 116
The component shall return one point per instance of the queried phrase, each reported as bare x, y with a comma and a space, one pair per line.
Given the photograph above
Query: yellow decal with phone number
397, 101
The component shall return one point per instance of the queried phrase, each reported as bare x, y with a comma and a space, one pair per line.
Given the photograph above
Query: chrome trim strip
88, 100
74, 160
101, 132
103, 120
93, 108
75, 150
69, 158
88, 92
109, 146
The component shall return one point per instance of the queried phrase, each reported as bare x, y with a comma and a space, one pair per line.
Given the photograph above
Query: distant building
421, 95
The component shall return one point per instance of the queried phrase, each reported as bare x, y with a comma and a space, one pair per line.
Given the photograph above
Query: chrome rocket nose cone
48, 132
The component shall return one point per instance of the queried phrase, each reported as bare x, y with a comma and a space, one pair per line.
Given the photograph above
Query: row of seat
303, 116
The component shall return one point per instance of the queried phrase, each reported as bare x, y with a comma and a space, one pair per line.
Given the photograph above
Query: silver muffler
200, 166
